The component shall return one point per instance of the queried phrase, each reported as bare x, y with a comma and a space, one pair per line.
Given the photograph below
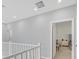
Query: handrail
20, 44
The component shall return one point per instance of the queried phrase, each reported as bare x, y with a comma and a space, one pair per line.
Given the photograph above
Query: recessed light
35, 9
14, 16
59, 1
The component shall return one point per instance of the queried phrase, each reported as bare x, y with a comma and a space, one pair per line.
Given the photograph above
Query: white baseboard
42, 57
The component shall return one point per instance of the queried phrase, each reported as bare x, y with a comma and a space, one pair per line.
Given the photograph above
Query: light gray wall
5, 34
36, 29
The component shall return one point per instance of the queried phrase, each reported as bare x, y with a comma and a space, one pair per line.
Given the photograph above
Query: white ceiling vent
40, 4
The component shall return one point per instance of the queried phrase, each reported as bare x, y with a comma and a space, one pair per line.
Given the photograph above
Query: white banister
31, 51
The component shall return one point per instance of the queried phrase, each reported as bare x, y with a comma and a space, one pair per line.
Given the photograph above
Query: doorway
62, 39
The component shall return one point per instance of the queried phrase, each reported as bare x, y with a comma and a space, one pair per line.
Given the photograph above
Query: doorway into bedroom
62, 40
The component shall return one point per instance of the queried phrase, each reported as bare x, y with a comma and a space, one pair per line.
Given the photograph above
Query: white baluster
26, 55
33, 54
14, 57
21, 56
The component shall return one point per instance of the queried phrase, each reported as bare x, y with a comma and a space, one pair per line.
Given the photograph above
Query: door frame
73, 35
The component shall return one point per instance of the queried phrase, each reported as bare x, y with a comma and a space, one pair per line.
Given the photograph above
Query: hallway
63, 53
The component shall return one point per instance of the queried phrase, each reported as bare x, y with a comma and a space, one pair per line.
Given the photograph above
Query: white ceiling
18, 9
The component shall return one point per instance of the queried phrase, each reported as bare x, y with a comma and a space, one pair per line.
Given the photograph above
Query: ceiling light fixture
14, 16
35, 9
59, 1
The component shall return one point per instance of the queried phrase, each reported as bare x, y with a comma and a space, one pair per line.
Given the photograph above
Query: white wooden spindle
14, 57
32, 50
29, 54
33, 53
26, 55
21, 56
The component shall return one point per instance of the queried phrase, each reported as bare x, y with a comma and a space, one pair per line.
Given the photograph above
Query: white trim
62, 20
42, 57
73, 29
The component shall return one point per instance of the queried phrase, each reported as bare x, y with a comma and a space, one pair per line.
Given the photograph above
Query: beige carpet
63, 53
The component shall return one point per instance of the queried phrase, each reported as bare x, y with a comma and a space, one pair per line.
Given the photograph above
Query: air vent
40, 4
